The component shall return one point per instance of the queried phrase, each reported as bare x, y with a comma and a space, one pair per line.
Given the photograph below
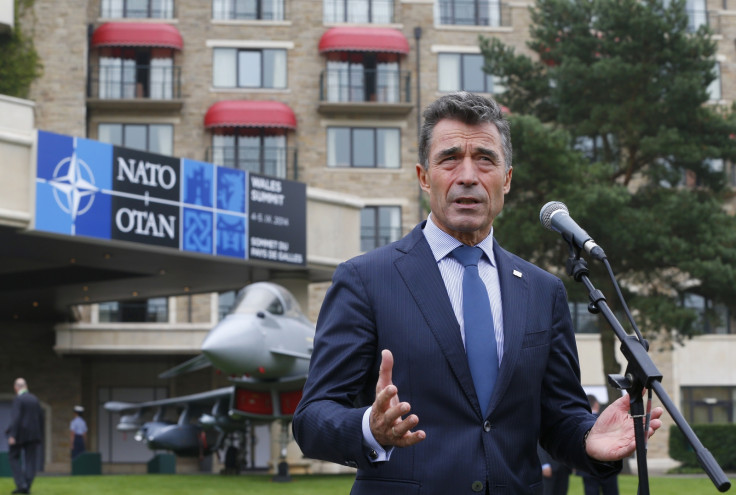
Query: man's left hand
612, 436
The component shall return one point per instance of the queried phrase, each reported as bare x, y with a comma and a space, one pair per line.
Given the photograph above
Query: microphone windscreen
545, 214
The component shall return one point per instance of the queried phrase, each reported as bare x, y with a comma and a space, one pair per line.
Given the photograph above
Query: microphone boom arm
641, 373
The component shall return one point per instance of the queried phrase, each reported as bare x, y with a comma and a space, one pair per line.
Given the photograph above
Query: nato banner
93, 189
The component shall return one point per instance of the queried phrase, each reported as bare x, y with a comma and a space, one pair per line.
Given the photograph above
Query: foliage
19, 62
719, 439
611, 118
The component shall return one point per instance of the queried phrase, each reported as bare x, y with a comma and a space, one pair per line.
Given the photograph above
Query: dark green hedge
719, 439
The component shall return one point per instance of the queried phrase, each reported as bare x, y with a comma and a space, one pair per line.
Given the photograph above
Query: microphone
555, 217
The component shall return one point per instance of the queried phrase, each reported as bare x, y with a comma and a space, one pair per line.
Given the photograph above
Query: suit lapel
515, 303
419, 271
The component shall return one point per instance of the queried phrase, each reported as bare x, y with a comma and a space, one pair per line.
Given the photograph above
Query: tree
611, 117
19, 62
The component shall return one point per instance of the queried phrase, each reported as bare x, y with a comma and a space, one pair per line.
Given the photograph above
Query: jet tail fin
194, 364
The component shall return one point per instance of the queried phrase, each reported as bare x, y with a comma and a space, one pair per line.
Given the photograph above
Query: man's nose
467, 171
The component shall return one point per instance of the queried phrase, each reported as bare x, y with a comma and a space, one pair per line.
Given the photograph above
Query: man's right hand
387, 425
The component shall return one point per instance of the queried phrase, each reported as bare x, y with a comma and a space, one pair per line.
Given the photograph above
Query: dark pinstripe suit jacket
394, 298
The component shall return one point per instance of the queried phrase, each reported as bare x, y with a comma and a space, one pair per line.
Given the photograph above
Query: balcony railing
275, 161
134, 82
152, 9
249, 10
368, 85
474, 13
359, 11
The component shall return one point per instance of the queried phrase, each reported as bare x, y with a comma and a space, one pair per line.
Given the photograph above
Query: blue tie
480, 337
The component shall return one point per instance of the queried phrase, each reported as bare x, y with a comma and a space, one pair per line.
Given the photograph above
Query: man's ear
507, 184
422, 176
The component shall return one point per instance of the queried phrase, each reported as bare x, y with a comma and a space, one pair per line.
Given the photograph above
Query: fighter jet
263, 346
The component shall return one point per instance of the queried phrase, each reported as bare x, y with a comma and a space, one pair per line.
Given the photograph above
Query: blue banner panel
72, 178
198, 187
197, 229
231, 189
231, 235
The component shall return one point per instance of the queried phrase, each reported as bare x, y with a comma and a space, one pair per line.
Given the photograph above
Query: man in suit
556, 476
24, 436
393, 322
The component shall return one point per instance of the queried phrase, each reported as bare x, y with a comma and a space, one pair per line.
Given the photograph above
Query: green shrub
719, 439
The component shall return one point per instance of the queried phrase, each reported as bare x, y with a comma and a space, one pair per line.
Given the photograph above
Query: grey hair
468, 108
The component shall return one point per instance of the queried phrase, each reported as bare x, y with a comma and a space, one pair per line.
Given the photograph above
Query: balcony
249, 10
365, 91
150, 9
474, 13
359, 11
134, 87
274, 161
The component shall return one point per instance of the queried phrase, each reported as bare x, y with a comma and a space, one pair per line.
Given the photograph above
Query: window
379, 225
730, 171
712, 318
225, 303
256, 149
714, 88
156, 138
153, 9
249, 68
597, 148
363, 147
463, 72
251, 10
154, 310
136, 73
583, 321
359, 11
697, 14
705, 405
357, 76
470, 12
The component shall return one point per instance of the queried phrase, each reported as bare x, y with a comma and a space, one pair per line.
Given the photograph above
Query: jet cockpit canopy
265, 296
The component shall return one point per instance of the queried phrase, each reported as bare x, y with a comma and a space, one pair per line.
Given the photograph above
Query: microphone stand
641, 373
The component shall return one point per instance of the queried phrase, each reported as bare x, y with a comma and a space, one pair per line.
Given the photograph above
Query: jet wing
280, 385
287, 352
194, 364
208, 397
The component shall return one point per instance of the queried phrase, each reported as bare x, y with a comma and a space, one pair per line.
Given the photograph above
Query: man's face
466, 179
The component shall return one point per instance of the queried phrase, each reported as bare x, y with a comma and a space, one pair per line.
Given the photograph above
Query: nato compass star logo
74, 186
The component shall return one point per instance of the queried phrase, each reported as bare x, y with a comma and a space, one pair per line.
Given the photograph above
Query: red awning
154, 34
249, 113
362, 39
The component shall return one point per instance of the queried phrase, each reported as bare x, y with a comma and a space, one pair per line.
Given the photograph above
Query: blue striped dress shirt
452, 271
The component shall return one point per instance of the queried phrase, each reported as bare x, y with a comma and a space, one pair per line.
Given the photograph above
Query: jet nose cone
234, 343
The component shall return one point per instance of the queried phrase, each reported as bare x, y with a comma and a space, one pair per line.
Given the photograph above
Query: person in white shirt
78, 432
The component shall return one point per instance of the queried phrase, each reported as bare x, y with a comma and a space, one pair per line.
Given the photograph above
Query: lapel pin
517, 273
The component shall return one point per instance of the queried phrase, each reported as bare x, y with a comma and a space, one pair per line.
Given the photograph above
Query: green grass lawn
200, 484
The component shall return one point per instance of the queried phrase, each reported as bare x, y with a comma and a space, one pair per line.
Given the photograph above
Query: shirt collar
441, 243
